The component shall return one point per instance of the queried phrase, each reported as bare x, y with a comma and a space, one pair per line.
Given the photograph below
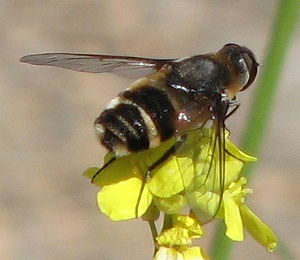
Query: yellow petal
134, 165
172, 205
207, 167
123, 200
185, 228
171, 177
204, 205
257, 229
90, 172
174, 236
190, 223
232, 218
232, 149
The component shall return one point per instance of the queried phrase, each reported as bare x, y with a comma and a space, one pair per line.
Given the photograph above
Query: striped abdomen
136, 120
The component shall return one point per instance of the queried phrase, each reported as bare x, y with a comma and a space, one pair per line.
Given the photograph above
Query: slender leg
102, 168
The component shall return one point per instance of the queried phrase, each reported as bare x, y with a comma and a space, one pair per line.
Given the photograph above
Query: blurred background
47, 208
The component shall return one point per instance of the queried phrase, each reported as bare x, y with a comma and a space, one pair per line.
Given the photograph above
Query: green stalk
284, 24
287, 14
154, 234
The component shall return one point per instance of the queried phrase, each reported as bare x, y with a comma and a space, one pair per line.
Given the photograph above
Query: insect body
175, 96
171, 98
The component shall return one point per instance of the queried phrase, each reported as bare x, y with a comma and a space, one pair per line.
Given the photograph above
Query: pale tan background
47, 209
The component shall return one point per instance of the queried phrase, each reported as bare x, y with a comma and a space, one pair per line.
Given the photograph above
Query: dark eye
251, 66
242, 69
244, 61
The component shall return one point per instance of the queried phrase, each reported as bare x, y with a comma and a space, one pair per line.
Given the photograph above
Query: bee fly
172, 97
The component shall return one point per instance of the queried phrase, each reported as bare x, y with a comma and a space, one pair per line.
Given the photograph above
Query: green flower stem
168, 223
154, 234
285, 21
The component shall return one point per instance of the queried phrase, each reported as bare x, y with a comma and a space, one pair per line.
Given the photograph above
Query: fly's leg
102, 168
161, 160
165, 156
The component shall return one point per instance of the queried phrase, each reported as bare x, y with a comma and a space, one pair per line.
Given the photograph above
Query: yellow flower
175, 242
199, 176
183, 230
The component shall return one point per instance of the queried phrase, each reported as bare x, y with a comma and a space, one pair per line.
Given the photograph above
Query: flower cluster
191, 187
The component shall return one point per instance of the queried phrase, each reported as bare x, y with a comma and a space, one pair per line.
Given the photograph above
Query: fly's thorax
230, 70
202, 75
196, 83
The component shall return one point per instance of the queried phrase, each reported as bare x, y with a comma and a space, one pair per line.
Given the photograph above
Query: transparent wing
207, 151
132, 67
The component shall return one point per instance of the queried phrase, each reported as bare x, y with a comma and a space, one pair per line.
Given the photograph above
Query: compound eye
244, 61
250, 64
243, 70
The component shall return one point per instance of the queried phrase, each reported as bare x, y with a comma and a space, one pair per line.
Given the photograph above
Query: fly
170, 99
